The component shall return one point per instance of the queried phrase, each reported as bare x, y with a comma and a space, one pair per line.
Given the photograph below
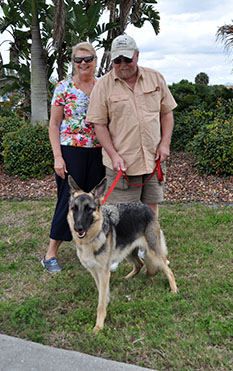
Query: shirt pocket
119, 105
152, 100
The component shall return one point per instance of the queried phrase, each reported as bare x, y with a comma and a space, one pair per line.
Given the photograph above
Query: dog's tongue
81, 234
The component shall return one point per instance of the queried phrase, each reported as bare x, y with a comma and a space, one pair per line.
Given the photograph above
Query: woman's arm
56, 117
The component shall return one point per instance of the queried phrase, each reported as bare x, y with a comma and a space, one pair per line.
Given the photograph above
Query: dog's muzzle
81, 234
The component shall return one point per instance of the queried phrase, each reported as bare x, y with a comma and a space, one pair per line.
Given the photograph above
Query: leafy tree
189, 95
184, 94
202, 78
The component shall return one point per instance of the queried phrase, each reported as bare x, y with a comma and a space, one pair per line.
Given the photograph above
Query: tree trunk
39, 91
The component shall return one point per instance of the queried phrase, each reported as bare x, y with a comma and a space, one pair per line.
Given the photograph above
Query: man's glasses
85, 59
119, 60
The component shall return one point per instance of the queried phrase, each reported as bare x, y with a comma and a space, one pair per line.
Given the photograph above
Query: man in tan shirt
131, 108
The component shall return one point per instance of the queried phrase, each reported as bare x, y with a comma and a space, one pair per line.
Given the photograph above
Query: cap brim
122, 53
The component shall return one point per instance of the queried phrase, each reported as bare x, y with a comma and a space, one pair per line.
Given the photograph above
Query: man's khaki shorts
151, 193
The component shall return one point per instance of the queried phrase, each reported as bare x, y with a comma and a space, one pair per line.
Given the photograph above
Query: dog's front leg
103, 288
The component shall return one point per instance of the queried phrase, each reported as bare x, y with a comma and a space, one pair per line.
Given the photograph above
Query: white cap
123, 45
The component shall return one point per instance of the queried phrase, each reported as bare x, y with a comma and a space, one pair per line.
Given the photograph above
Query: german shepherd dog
106, 235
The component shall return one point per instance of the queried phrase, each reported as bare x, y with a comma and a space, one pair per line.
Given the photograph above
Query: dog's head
84, 208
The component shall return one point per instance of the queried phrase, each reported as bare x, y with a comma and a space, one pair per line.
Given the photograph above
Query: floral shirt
74, 129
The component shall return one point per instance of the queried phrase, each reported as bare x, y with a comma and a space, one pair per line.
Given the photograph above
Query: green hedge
27, 152
213, 147
8, 124
208, 134
188, 124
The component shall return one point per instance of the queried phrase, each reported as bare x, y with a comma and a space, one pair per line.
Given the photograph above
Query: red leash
160, 175
120, 172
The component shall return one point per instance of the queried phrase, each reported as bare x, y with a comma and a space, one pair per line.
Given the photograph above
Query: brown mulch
183, 184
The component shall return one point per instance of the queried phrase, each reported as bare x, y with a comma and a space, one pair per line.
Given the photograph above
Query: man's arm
105, 140
167, 123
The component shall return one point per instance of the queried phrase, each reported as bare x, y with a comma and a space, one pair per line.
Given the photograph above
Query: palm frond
225, 35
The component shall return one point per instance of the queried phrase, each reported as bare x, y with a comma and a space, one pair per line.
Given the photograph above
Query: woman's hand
60, 166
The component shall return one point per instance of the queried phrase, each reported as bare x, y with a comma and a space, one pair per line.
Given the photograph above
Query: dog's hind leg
103, 289
138, 263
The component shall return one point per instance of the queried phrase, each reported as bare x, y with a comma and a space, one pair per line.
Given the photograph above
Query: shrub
6, 109
8, 123
27, 152
188, 124
213, 147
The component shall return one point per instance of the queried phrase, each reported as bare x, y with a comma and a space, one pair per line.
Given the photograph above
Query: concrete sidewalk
21, 355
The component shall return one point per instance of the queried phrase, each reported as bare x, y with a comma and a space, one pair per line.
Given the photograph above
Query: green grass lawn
146, 324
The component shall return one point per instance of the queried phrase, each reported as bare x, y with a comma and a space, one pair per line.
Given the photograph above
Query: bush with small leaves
213, 147
8, 123
188, 124
27, 152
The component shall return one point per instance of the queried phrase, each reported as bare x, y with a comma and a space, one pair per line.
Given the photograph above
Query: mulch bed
183, 184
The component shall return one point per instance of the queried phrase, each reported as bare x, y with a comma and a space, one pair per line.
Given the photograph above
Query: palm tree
39, 90
225, 35
122, 13
76, 21
58, 35
21, 20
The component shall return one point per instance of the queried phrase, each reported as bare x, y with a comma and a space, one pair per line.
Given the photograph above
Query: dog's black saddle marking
134, 218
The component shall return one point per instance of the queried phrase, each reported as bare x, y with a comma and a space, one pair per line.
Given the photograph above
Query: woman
75, 146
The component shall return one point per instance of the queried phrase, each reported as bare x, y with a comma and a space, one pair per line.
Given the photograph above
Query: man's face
126, 70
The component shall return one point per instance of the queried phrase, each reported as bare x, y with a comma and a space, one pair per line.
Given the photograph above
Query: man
131, 108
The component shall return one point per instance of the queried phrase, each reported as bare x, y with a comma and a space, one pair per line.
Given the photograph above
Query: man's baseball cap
123, 45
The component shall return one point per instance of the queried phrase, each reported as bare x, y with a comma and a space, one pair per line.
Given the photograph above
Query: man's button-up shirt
132, 116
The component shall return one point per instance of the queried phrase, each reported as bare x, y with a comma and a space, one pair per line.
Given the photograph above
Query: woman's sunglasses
85, 59
119, 60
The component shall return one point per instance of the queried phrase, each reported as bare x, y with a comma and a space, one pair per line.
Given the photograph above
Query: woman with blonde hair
75, 146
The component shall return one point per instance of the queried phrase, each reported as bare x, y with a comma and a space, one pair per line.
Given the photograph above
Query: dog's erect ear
99, 190
73, 185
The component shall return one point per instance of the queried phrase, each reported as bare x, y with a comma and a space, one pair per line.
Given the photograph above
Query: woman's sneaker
51, 265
